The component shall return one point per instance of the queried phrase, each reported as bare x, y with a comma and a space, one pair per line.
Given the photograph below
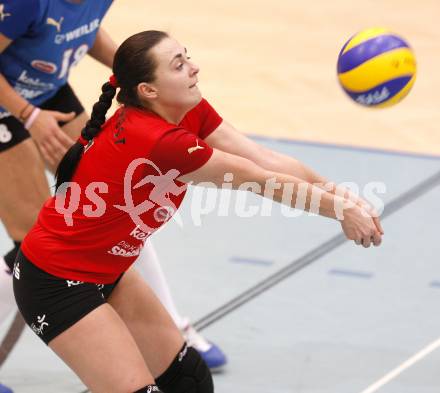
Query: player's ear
146, 91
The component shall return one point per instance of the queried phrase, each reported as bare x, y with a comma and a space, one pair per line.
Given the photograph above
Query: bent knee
188, 373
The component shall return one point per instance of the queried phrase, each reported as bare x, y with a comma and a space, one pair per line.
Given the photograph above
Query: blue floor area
335, 326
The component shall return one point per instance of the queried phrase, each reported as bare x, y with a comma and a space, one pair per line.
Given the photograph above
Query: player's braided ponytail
70, 161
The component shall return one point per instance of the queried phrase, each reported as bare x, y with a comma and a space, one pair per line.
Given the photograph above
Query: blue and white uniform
49, 37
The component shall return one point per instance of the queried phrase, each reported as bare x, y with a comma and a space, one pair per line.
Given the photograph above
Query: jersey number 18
78, 54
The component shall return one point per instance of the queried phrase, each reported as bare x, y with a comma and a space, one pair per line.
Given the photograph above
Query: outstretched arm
228, 139
247, 175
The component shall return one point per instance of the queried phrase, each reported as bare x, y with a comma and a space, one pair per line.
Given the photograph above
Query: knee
188, 373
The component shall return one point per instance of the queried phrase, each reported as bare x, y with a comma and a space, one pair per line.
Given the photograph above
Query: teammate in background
40, 117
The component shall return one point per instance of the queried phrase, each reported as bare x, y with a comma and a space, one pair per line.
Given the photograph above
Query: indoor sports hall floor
295, 307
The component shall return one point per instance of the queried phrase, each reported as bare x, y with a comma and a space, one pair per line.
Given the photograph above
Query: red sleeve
209, 119
180, 149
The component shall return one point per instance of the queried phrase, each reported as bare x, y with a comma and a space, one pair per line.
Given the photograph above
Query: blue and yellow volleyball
376, 68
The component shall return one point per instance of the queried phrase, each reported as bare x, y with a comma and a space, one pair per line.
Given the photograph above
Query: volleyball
376, 68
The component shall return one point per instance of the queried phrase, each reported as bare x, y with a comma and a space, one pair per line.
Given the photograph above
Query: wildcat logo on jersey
53, 22
3, 14
39, 329
44, 66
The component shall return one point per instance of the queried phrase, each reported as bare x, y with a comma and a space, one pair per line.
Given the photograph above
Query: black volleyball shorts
49, 304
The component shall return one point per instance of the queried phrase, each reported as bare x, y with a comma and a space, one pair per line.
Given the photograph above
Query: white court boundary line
405, 365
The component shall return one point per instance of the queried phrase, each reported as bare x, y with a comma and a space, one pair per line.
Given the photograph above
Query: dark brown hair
132, 65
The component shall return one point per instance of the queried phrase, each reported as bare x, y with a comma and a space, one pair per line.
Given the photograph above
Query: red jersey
123, 190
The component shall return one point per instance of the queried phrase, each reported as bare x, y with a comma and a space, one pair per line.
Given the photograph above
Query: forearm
227, 139
300, 194
278, 162
242, 174
284, 164
104, 48
10, 99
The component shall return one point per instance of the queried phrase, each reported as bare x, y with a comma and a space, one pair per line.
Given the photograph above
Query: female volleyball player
116, 185
40, 117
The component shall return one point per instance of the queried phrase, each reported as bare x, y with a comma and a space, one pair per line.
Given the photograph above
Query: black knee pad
10, 256
188, 373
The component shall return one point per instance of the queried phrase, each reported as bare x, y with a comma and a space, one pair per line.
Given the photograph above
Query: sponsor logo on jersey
44, 66
34, 82
124, 249
138, 234
72, 283
163, 213
17, 270
5, 134
85, 29
3, 14
196, 147
120, 252
30, 88
54, 22
120, 128
183, 353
